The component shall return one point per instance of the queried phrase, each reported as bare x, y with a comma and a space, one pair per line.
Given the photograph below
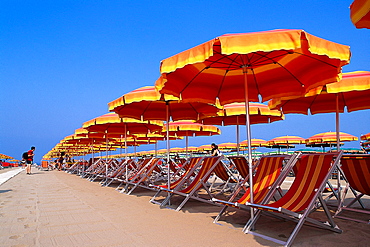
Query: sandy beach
53, 208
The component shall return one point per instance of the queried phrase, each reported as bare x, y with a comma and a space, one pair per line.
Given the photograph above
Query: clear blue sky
61, 62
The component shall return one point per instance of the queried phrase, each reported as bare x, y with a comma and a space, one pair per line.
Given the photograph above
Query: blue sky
61, 62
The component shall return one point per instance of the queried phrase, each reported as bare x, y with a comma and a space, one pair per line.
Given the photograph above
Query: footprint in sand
15, 237
9, 197
28, 206
26, 226
31, 199
21, 219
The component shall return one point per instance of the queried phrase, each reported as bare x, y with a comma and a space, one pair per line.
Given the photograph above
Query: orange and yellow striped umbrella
189, 128
277, 63
352, 92
112, 123
252, 66
365, 137
255, 143
234, 114
286, 140
360, 13
146, 103
331, 137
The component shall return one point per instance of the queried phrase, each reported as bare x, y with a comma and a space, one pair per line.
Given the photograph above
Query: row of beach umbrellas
278, 66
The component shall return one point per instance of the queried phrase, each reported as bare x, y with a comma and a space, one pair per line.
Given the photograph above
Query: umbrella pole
237, 135
168, 148
247, 124
187, 144
337, 120
106, 153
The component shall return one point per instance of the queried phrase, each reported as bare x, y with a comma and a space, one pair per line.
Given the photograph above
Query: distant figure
29, 160
61, 160
215, 151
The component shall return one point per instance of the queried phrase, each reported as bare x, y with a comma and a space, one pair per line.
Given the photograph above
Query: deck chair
119, 172
356, 171
269, 176
229, 180
190, 190
188, 170
144, 177
300, 199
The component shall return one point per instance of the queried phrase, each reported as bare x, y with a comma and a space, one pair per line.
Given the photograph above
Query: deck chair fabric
269, 175
144, 177
190, 189
241, 165
356, 171
229, 180
299, 200
192, 164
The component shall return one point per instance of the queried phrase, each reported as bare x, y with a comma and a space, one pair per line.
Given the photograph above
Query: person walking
29, 160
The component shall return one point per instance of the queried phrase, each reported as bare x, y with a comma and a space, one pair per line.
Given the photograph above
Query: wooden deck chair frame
270, 174
189, 192
297, 203
356, 171
190, 168
144, 175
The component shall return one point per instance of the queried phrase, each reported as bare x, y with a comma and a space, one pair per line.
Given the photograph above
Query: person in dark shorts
29, 160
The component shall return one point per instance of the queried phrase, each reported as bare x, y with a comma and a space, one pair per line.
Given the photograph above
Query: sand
53, 208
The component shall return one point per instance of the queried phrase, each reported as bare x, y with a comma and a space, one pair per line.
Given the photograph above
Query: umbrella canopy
5, 157
360, 13
352, 92
247, 67
365, 137
146, 103
331, 137
114, 124
189, 128
254, 143
235, 114
286, 140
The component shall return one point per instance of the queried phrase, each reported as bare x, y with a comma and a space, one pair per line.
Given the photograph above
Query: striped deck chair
241, 165
356, 171
144, 177
268, 177
192, 164
120, 173
190, 190
114, 172
301, 197
108, 166
229, 179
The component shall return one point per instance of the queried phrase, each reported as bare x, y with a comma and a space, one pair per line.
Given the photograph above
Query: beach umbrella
234, 114
188, 128
331, 137
352, 92
146, 103
5, 157
111, 123
365, 137
360, 13
254, 143
285, 141
252, 66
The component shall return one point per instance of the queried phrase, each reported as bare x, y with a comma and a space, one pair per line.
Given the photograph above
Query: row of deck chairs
224, 182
